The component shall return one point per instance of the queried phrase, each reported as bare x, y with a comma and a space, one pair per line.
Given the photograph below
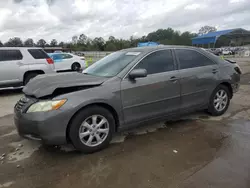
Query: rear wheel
92, 129
219, 101
75, 66
29, 76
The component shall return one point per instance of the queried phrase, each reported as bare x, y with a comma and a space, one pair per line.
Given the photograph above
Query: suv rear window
38, 53
10, 55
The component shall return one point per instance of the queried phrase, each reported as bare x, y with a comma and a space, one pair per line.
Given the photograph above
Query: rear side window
66, 56
38, 53
190, 59
57, 56
10, 55
157, 62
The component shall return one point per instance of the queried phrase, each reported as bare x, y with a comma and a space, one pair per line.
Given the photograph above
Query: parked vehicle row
19, 65
125, 88
225, 50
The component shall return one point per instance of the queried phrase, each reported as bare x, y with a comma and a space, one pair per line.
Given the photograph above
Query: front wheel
219, 101
92, 129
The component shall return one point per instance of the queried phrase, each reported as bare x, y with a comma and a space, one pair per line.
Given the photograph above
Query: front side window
10, 55
157, 62
190, 59
112, 64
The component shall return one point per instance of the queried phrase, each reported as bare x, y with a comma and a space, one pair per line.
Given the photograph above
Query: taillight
237, 69
50, 61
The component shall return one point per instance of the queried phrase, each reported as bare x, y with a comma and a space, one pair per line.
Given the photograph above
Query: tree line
82, 42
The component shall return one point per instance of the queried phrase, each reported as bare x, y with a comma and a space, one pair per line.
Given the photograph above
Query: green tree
110, 47
74, 39
99, 42
41, 43
1, 44
206, 29
14, 42
53, 42
29, 42
82, 39
61, 44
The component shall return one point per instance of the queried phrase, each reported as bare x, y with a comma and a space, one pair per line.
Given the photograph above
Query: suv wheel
75, 66
219, 101
91, 129
29, 76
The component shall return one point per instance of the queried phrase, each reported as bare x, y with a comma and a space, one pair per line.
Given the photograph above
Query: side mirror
138, 73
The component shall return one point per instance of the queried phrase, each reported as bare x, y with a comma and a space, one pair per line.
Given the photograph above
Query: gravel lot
195, 151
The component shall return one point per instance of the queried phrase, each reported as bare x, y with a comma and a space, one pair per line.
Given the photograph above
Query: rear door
11, 62
155, 95
198, 78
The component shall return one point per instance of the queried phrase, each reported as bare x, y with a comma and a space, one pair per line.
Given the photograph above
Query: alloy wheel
220, 100
94, 130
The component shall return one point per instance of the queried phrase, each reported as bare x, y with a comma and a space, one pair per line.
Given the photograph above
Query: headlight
46, 106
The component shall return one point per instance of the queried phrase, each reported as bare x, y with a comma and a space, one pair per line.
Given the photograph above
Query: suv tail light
50, 61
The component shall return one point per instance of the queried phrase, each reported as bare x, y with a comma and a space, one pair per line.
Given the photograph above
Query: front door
198, 78
10, 67
155, 95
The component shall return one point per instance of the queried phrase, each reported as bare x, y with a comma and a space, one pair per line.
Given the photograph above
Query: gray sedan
122, 90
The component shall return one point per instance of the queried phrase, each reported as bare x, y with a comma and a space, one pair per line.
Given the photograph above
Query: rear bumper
49, 127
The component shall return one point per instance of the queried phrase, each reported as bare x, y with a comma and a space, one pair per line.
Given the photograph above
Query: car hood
45, 85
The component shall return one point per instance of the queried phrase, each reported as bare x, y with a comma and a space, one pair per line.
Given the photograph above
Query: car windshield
112, 64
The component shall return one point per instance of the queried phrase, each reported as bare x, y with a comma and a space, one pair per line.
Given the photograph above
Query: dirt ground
195, 151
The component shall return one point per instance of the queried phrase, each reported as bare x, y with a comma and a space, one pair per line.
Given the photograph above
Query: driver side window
157, 62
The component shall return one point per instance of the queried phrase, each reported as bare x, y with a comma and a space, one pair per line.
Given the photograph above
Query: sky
62, 19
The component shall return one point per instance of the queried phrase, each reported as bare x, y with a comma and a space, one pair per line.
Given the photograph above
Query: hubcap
220, 100
94, 130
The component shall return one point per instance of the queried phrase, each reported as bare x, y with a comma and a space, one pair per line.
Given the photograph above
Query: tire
29, 76
86, 115
75, 66
214, 97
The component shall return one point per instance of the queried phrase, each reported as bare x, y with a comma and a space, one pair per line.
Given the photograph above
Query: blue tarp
141, 44
210, 37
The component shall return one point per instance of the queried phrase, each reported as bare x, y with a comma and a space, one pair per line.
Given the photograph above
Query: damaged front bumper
49, 127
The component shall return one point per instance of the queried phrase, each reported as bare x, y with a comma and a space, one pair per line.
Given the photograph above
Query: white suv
18, 65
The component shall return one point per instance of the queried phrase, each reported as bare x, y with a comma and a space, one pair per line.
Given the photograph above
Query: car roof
55, 53
153, 48
14, 48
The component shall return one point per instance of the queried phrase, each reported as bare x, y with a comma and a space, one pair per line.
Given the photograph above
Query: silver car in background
122, 90
18, 65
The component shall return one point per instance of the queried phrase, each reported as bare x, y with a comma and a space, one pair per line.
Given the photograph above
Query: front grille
21, 103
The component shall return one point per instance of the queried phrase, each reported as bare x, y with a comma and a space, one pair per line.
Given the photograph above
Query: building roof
213, 36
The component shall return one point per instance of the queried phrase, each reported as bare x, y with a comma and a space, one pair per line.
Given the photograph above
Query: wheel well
33, 71
104, 105
228, 85
76, 63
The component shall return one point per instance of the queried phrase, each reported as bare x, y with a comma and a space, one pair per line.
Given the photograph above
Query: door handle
173, 79
214, 71
19, 63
